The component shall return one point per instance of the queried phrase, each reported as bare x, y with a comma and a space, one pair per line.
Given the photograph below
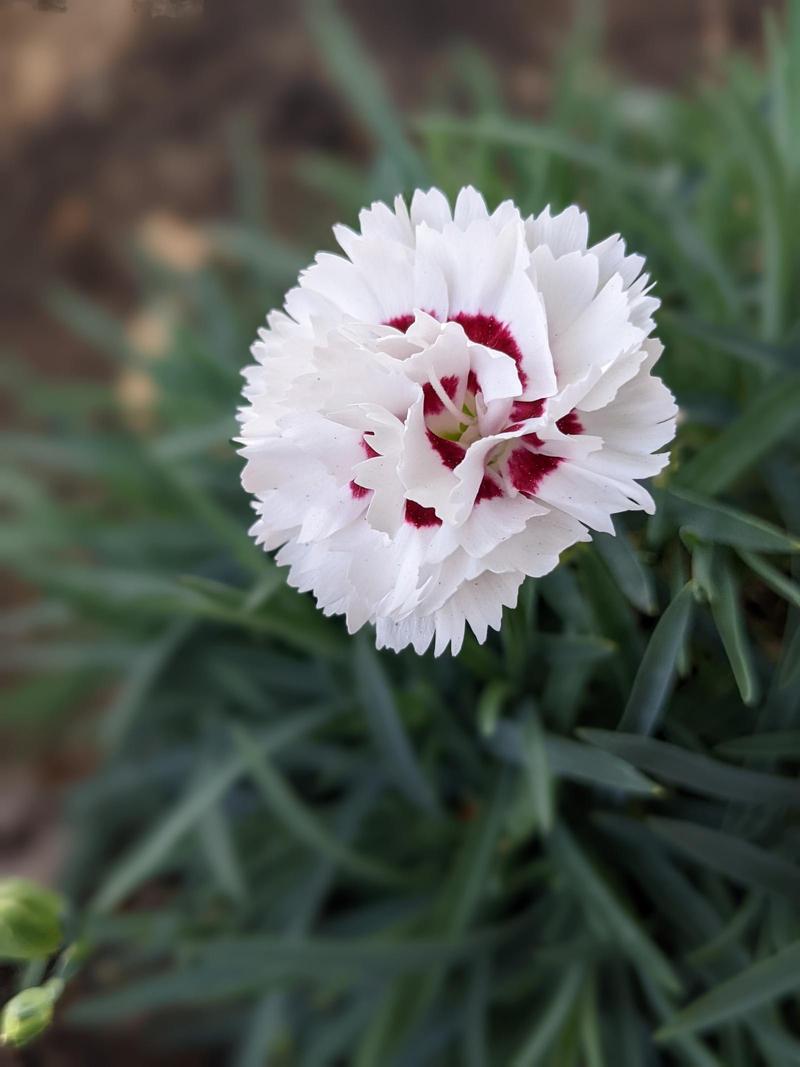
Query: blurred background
130, 128
116, 118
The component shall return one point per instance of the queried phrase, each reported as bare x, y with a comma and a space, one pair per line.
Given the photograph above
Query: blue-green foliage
575, 846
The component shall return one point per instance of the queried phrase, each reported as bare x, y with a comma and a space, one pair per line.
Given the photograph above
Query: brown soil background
115, 117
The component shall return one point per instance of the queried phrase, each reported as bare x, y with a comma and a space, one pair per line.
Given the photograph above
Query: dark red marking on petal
400, 322
449, 452
570, 423
533, 439
527, 409
370, 451
489, 331
419, 516
358, 491
528, 469
489, 490
479, 328
432, 404
473, 385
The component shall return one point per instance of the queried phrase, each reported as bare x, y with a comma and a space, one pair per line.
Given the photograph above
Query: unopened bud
30, 926
29, 1013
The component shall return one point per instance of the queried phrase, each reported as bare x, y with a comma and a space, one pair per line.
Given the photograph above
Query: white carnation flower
444, 409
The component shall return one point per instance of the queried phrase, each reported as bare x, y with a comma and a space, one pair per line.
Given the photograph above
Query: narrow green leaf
377, 700
728, 616
155, 848
775, 579
262, 1031
591, 1040
702, 565
763, 983
624, 563
565, 597
195, 441
633, 578
579, 763
573, 650
550, 1021
216, 841
598, 901
733, 857
575, 761
773, 415
354, 70
789, 667
490, 705
475, 1045
694, 1053
248, 170
534, 756
615, 618
758, 153
452, 912
697, 772
221, 968
656, 673
728, 940
733, 343
520, 134
673, 895
779, 744
727, 526
231, 532
466, 883
138, 681
91, 322
298, 818
269, 256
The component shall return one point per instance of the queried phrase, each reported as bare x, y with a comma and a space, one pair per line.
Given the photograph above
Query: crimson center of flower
451, 421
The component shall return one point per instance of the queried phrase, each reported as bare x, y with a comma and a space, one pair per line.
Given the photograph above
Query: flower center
451, 409
481, 330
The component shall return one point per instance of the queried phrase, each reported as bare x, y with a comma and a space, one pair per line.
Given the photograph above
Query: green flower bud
29, 1013
29, 920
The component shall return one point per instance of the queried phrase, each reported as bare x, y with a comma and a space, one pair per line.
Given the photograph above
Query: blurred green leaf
728, 526
763, 983
691, 770
779, 744
738, 860
772, 416
596, 897
388, 730
91, 322
635, 580
537, 768
150, 853
576, 762
227, 968
657, 670
540, 138
727, 611
749, 349
549, 1023
354, 72
777, 581
298, 819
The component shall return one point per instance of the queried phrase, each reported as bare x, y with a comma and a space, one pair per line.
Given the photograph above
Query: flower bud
29, 920
29, 1013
